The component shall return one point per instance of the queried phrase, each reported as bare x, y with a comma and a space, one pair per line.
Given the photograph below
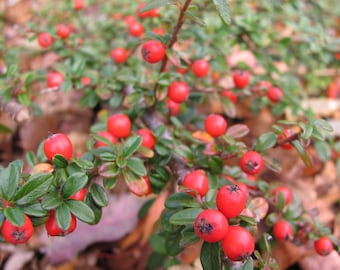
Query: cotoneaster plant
173, 127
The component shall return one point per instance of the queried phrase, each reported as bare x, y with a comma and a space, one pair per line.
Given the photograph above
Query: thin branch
173, 39
289, 139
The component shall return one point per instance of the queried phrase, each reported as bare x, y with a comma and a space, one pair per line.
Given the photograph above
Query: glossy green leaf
248, 265
121, 162
97, 211
323, 124
102, 139
248, 220
84, 164
185, 217
177, 199
59, 161
157, 242
81, 210
9, 180
110, 183
131, 145
78, 65
74, 183
323, 149
34, 210
189, 236
29, 78
223, 9
137, 166
15, 216
172, 243
302, 153
215, 164
51, 201
155, 4
40, 153
30, 157
307, 130
99, 195
24, 99
210, 256
63, 217
266, 141
36, 186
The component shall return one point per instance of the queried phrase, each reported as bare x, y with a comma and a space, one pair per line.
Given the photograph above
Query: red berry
287, 133
53, 229
150, 13
181, 70
282, 230
200, 68
63, 31
55, 79
153, 13
153, 51
129, 20
119, 125
173, 107
238, 244
79, 195
323, 246
211, 226
85, 80
215, 125
58, 144
158, 31
178, 91
241, 79
148, 139
136, 29
251, 163
140, 187
286, 193
17, 234
333, 90
78, 4
45, 40
106, 135
197, 181
232, 96
244, 188
119, 55
275, 94
230, 200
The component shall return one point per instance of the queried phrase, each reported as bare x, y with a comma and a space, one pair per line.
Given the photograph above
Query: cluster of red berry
119, 127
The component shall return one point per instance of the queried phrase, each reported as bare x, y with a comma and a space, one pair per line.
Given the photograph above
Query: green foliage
290, 47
